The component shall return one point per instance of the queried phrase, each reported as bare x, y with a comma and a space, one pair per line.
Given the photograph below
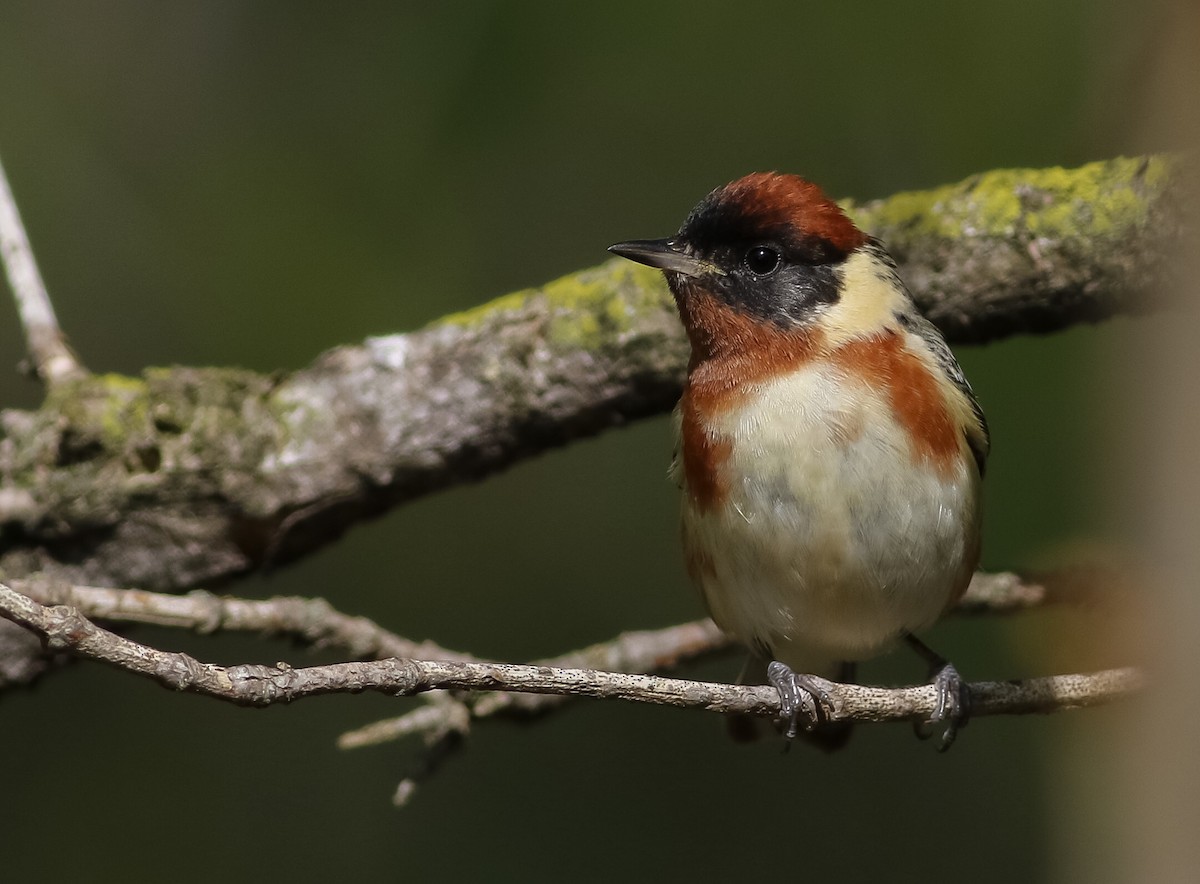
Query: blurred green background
250, 184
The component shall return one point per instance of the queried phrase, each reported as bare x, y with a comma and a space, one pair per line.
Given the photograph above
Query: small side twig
1003, 592
312, 620
52, 359
446, 717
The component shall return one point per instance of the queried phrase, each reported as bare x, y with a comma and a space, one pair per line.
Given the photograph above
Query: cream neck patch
871, 298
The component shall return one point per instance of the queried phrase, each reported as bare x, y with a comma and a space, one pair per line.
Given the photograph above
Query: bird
829, 449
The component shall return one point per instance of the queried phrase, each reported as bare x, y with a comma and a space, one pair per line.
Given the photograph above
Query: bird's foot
953, 707
804, 700
952, 710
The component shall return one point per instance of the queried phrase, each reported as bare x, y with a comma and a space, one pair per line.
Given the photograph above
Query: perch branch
997, 593
317, 623
444, 719
52, 360
63, 628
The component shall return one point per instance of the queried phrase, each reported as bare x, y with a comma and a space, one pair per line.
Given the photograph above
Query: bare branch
190, 476
640, 651
52, 360
317, 622
314, 621
64, 628
444, 718
998, 593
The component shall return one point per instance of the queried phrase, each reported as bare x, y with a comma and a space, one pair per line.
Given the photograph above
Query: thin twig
640, 651
997, 593
314, 621
444, 719
64, 628
317, 622
52, 360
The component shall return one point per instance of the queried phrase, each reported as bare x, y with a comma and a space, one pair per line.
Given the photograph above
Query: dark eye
762, 260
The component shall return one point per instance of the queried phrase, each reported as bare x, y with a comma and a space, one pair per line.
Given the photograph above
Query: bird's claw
952, 709
800, 696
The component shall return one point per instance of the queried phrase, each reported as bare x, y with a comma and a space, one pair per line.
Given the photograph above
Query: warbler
829, 449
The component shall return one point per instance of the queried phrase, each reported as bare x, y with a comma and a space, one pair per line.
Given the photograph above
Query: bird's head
769, 251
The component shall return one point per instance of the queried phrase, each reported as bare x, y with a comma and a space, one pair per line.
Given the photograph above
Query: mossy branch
189, 476
1015, 251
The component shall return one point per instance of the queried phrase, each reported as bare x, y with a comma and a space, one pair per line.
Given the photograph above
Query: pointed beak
665, 254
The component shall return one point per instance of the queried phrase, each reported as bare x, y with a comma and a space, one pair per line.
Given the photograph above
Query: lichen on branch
187, 476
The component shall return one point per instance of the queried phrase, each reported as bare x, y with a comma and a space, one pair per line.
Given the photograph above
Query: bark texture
189, 476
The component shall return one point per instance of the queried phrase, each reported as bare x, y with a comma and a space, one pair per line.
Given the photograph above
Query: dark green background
250, 184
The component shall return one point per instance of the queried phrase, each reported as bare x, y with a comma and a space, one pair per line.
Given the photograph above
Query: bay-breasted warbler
829, 449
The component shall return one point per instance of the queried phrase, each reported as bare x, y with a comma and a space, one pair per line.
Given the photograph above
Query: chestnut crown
767, 244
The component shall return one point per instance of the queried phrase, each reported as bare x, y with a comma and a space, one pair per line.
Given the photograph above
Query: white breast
833, 540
